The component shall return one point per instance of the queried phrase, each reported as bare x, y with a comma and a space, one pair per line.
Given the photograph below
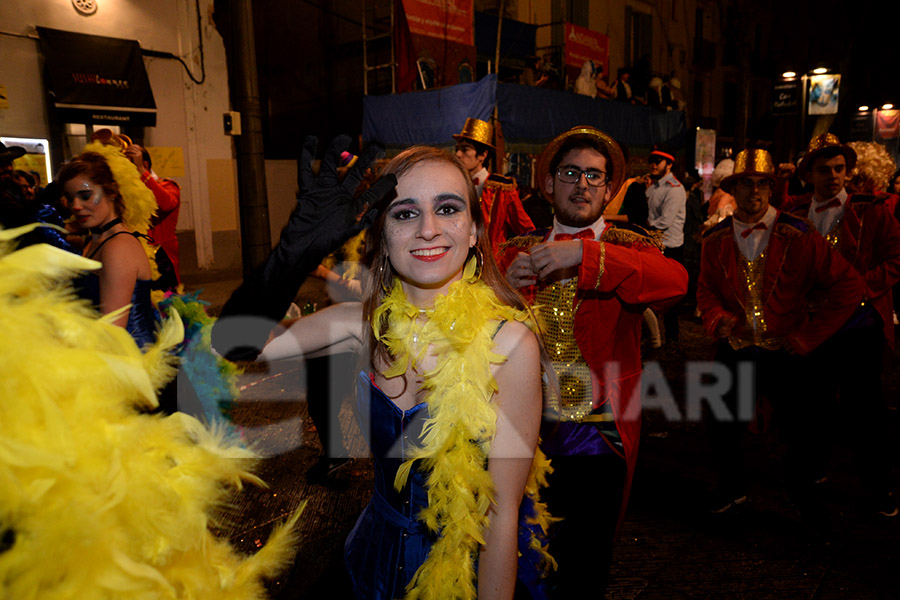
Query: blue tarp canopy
530, 116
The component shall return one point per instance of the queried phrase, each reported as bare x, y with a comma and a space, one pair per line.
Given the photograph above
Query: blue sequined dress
388, 543
142, 317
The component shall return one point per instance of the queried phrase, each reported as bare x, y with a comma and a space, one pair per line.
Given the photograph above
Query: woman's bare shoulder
517, 342
123, 249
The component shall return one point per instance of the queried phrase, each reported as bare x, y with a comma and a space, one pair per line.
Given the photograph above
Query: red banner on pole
583, 44
450, 20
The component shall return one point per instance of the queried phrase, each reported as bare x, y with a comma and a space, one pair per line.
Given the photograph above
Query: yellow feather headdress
140, 205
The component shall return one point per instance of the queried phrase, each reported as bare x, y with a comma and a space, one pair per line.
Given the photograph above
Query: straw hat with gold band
477, 130
753, 162
610, 145
825, 143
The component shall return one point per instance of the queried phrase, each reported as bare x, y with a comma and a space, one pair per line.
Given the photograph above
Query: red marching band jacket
162, 228
800, 267
868, 236
618, 278
504, 215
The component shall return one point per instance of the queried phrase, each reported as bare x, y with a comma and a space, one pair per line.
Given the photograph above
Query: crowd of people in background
790, 283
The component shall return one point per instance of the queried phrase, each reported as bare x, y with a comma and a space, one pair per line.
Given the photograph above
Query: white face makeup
88, 202
86, 193
428, 229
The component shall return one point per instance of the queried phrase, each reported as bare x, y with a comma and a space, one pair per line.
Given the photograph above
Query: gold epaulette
524, 242
500, 182
617, 235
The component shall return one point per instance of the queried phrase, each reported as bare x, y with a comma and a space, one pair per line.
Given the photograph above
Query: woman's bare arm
335, 329
518, 420
124, 261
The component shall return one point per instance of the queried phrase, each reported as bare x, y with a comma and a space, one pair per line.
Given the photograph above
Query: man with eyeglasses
760, 270
589, 283
863, 229
504, 215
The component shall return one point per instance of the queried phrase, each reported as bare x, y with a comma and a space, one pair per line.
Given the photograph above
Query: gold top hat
822, 143
610, 145
751, 162
477, 131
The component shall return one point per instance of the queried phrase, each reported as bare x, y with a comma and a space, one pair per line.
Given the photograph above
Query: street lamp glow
788, 74
863, 108
887, 107
820, 70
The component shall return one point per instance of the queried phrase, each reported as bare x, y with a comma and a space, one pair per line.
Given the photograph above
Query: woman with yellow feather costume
108, 199
97, 498
452, 403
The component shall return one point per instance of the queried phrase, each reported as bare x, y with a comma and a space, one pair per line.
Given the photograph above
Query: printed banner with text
449, 20
583, 44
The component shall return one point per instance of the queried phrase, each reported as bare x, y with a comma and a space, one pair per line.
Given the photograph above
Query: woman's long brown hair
379, 274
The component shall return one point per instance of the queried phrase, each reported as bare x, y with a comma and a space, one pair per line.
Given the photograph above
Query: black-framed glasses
572, 175
749, 184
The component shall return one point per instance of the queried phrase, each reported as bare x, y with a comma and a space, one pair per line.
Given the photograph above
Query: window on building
466, 75
578, 12
638, 35
729, 110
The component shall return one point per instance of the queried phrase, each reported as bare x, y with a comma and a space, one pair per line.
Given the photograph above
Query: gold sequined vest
555, 306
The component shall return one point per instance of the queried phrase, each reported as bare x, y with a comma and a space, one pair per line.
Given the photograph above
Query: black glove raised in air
325, 217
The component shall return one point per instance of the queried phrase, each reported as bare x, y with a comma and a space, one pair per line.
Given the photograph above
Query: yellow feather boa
459, 331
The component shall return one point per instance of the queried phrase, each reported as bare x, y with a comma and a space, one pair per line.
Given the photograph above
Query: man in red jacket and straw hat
590, 283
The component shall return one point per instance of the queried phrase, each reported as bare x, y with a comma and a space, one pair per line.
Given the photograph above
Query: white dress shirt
826, 220
753, 244
481, 176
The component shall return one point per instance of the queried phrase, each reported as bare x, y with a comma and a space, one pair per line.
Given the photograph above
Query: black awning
94, 79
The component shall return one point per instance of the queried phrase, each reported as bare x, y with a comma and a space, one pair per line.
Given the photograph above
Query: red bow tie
833, 204
758, 227
584, 234
475, 181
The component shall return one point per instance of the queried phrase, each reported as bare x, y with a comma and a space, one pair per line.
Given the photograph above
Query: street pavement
669, 546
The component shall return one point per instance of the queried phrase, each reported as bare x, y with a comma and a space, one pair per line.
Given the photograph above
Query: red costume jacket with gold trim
868, 237
618, 278
164, 222
504, 214
799, 266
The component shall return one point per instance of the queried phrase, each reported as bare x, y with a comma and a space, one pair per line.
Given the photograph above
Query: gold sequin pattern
834, 236
754, 333
556, 311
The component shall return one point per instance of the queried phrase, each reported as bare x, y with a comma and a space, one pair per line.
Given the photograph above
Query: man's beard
569, 216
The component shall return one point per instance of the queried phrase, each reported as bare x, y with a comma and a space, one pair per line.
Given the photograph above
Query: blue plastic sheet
530, 116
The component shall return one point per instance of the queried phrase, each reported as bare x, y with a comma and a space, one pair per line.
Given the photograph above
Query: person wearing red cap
667, 208
760, 268
862, 228
589, 283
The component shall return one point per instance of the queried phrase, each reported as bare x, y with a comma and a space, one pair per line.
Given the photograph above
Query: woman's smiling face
429, 229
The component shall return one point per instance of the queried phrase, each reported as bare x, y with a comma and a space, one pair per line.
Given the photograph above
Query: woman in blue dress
94, 196
451, 402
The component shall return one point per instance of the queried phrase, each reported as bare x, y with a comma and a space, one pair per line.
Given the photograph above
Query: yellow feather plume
98, 500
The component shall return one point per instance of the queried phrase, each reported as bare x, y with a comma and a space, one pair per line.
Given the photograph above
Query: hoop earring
479, 264
381, 280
